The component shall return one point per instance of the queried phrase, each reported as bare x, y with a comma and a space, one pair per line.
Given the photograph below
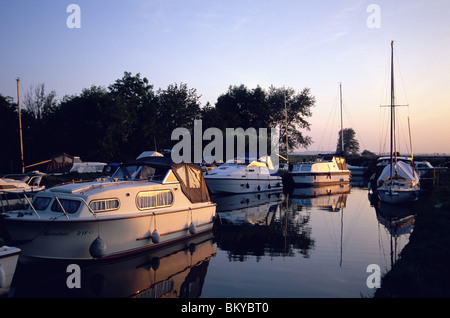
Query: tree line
118, 122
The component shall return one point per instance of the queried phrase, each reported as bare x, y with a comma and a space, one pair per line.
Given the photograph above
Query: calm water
311, 243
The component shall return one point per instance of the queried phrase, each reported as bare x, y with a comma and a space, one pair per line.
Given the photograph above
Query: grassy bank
423, 269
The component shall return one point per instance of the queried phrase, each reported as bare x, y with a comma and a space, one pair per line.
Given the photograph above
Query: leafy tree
9, 129
91, 126
38, 103
351, 145
242, 107
298, 108
178, 106
138, 100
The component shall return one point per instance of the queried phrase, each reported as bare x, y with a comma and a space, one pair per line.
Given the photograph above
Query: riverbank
423, 269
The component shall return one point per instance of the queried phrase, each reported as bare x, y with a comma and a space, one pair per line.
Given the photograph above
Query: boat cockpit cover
192, 182
402, 169
341, 163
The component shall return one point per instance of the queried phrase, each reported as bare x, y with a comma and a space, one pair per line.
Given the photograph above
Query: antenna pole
342, 123
20, 127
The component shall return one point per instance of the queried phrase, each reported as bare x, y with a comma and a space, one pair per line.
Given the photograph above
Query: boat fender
248, 186
258, 188
192, 228
2, 277
155, 236
269, 186
192, 248
97, 248
155, 263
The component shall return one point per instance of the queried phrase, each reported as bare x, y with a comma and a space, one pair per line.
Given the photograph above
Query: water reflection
177, 271
310, 242
332, 198
398, 221
260, 225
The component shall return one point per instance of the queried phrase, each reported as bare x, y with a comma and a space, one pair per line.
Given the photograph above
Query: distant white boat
425, 167
13, 187
244, 176
88, 167
8, 262
147, 203
357, 170
326, 170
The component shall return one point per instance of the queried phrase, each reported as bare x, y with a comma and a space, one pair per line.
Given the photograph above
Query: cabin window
41, 203
70, 206
104, 205
154, 199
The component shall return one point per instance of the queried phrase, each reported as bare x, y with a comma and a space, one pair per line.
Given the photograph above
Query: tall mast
20, 127
393, 143
286, 119
342, 125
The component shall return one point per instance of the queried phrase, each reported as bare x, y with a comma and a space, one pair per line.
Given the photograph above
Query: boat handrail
89, 208
32, 207
57, 200
62, 208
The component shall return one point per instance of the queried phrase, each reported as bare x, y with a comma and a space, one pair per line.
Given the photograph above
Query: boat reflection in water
177, 271
260, 224
247, 209
332, 197
398, 220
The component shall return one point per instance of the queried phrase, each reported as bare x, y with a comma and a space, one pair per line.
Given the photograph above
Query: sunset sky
212, 44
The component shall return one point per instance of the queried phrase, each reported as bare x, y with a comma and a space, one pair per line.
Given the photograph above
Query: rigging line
352, 124
385, 100
327, 125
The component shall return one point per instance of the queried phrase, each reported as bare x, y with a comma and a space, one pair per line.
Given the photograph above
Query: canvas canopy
401, 169
189, 175
192, 182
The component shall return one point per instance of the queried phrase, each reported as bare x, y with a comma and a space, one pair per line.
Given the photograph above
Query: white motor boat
326, 170
13, 187
147, 203
242, 176
8, 262
425, 168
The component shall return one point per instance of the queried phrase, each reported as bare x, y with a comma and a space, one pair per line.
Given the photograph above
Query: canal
313, 242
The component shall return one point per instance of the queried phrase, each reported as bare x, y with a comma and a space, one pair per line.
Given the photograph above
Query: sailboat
398, 182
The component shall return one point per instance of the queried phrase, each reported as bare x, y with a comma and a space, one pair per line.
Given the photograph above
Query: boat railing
31, 206
5, 201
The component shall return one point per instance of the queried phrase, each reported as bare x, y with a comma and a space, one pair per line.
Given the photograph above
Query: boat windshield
139, 172
126, 172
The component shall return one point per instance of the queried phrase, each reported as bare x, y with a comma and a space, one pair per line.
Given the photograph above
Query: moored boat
244, 176
8, 262
147, 203
14, 187
325, 170
398, 182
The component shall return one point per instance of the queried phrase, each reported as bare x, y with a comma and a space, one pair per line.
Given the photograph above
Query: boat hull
229, 185
8, 262
320, 178
72, 238
397, 196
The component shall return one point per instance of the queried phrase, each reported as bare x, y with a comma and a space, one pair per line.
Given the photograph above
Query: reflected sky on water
313, 242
